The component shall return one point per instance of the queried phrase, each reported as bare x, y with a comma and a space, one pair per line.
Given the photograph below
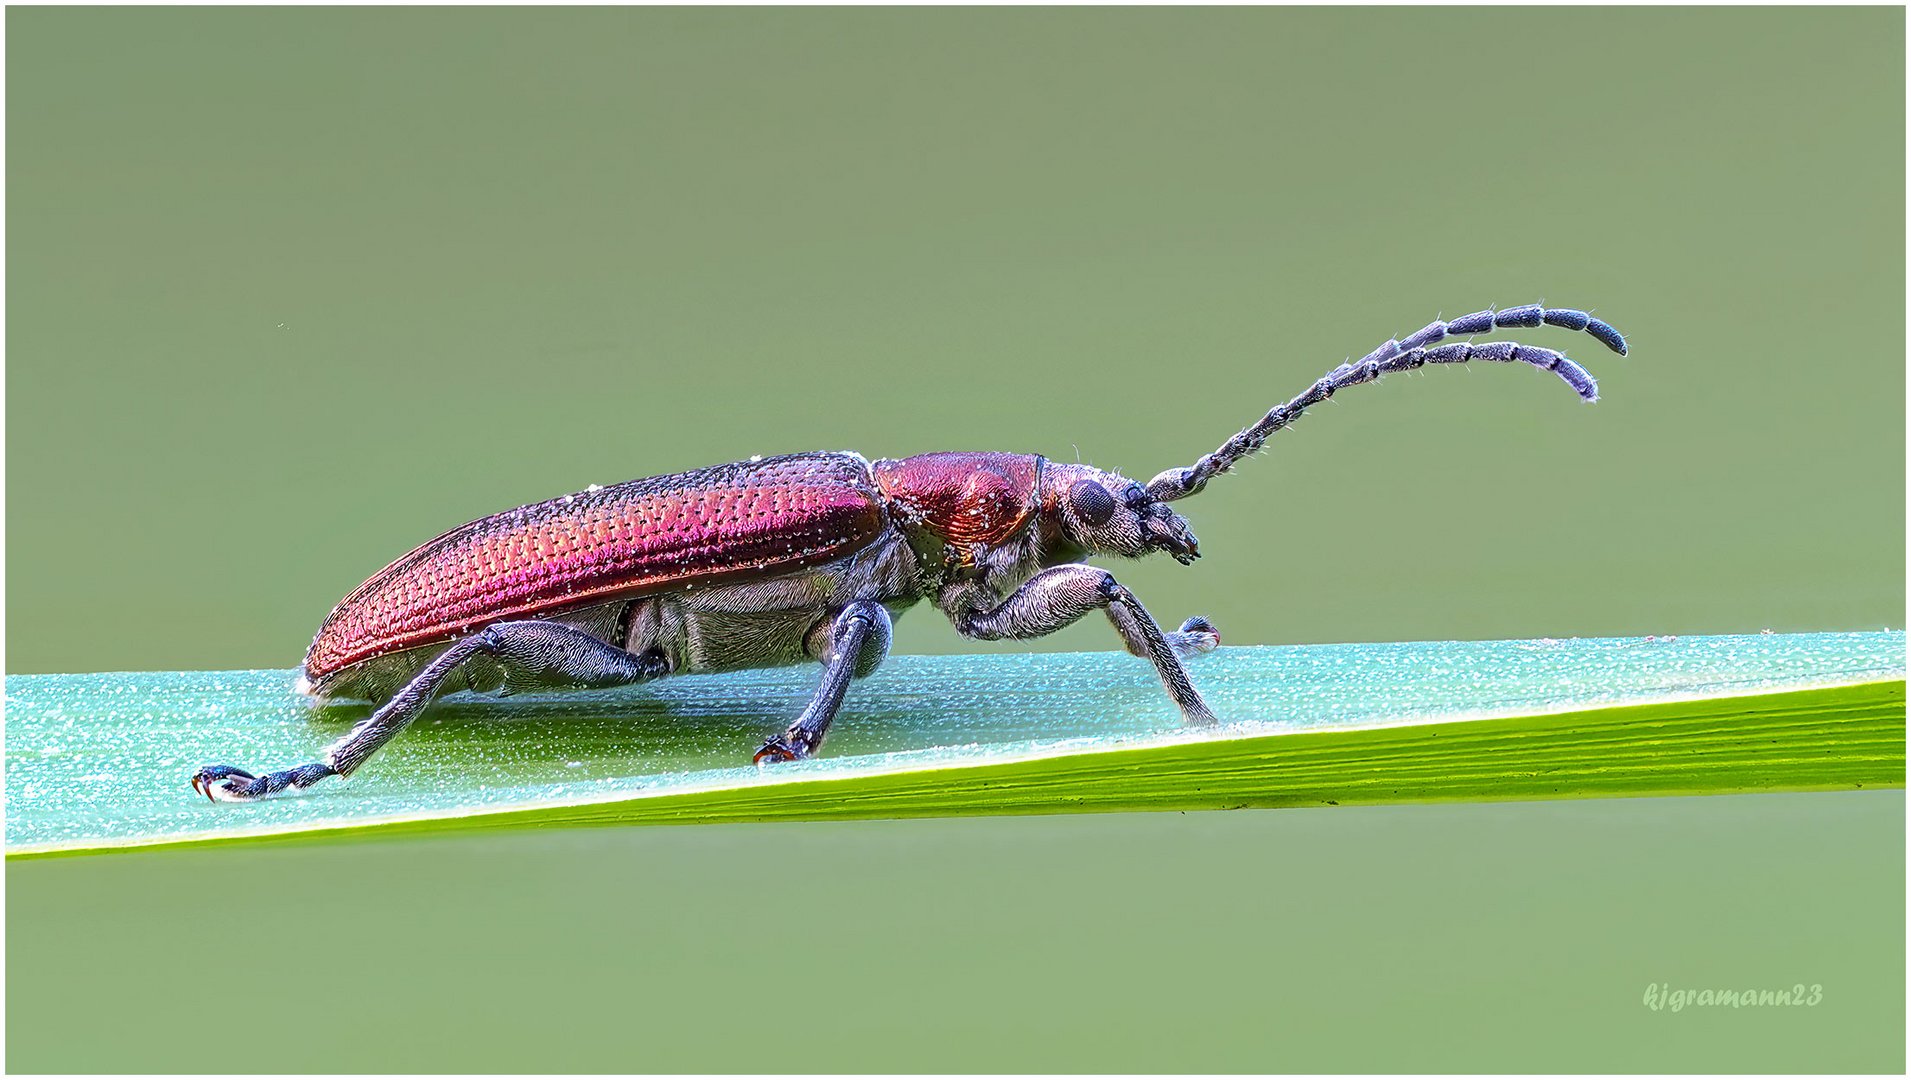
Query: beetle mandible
780, 560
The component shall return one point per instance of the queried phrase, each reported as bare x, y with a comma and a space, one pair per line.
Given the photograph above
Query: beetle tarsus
1196, 636
227, 783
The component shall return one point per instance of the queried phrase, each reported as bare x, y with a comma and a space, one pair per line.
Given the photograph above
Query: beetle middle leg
856, 642
1060, 595
533, 654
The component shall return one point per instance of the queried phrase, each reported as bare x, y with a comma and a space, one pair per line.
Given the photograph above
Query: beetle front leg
857, 641
534, 655
1060, 595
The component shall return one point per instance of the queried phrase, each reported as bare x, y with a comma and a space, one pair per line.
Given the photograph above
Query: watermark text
1665, 996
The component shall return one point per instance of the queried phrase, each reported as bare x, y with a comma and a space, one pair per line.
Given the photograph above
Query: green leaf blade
100, 761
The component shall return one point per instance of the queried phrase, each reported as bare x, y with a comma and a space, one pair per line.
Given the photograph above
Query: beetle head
1084, 507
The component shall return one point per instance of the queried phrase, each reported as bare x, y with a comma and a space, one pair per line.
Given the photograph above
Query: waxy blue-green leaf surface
102, 760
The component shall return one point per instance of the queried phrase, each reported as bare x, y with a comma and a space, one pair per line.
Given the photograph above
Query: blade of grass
97, 762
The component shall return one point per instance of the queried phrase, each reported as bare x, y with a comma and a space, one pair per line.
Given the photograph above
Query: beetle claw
204, 779
777, 750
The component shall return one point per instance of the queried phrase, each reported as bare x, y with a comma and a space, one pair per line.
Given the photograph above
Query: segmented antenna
1410, 352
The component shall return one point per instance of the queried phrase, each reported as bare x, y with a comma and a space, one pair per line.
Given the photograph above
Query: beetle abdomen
644, 536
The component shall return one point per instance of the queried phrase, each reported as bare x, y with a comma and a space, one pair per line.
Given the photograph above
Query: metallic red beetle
804, 557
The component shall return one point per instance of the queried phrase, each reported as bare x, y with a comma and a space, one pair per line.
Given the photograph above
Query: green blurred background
294, 290
290, 291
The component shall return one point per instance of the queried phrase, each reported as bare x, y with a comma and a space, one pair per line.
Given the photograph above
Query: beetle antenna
1406, 354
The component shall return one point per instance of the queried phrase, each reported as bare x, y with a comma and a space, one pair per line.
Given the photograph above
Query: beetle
802, 557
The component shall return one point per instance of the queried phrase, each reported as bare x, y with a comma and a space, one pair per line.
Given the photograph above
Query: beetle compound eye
1091, 502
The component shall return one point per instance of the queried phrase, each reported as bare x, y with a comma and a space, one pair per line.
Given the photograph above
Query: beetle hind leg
533, 654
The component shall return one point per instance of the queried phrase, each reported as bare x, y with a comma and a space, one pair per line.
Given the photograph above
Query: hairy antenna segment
1514, 318
1415, 350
